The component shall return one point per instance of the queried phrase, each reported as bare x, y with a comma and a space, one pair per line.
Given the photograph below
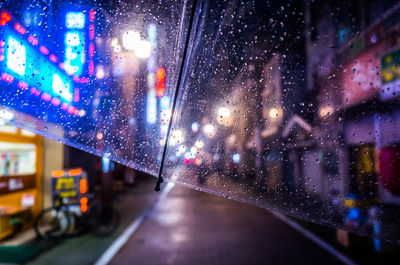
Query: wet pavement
86, 249
191, 227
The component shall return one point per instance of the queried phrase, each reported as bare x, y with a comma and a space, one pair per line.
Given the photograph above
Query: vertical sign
74, 43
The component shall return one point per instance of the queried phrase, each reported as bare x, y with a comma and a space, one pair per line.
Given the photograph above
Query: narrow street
193, 227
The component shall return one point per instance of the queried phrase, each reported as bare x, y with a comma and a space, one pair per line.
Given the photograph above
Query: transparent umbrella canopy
289, 106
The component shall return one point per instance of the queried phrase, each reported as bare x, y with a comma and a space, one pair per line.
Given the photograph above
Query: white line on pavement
316, 239
112, 250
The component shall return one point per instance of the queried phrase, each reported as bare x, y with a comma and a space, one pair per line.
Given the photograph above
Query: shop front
21, 166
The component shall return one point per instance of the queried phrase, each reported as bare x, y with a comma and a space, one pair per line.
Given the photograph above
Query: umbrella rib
178, 85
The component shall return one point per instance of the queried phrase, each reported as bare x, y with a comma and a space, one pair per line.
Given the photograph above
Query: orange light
160, 82
4, 18
83, 187
57, 173
75, 172
84, 206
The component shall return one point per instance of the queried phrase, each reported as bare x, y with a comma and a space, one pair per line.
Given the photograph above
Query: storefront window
17, 159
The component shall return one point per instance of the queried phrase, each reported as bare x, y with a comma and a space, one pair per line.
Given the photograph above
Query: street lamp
199, 144
224, 116
176, 137
224, 112
209, 130
273, 113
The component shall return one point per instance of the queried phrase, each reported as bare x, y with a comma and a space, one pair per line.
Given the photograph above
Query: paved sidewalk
86, 249
191, 227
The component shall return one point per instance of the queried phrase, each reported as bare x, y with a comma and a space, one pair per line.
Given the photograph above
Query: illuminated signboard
79, 42
75, 20
390, 75
74, 52
30, 66
72, 185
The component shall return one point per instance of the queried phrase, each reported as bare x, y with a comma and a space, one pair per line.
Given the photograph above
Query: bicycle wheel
52, 223
103, 219
78, 226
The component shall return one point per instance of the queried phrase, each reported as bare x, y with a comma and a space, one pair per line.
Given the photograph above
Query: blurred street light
182, 149
273, 113
236, 158
325, 111
209, 130
176, 137
193, 150
224, 117
199, 144
99, 136
132, 41
224, 112
117, 48
114, 42
195, 127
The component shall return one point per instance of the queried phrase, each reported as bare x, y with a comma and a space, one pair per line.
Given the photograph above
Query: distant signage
390, 75
28, 200
361, 77
69, 184
74, 45
16, 183
79, 42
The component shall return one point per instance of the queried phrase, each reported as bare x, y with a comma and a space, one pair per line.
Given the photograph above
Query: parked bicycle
64, 219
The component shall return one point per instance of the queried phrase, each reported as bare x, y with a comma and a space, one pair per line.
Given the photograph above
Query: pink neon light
92, 15
8, 78
53, 58
61, 65
46, 96
1, 50
44, 50
1, 58
18, 27
71, 109
23, 85
64, 106
34, 91
76, 94
2, 43
82, 80
91, 32
76, 112
55, 101
91, 49
33, 40
91, 67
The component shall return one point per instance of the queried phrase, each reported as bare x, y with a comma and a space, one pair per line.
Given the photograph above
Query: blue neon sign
27, 64
75, 20
16, 56
74, 43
